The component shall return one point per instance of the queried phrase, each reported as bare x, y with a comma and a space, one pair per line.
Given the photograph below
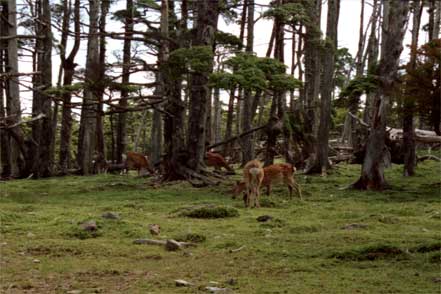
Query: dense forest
176, 85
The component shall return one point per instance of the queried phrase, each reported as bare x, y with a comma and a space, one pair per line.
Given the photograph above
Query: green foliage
357, 87
149, 4
284, 82
113, 86
227, 40
289, 13
61, 90
198, 59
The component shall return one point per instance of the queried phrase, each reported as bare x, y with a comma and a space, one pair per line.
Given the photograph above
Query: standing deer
275, 174
253, 176
139, 162
218, 161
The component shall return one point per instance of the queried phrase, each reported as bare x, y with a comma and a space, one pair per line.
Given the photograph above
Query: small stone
89, 226
218, 290
155, 229
172, 245
182, 283
232, 282
187, 254
110, 215
354, 226
30, 235
264, 218
436, 280
36, 261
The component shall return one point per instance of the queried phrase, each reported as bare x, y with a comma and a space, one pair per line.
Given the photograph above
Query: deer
217, 161
253, 174
139, 162
274, 174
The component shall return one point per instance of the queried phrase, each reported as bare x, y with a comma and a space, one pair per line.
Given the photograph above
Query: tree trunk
121, 133
372, 173
327, 85
42, 129
229, 123
247, 115
68, 65
13, 166
217, 117
409, 103
87, 134
312, 66
372, 59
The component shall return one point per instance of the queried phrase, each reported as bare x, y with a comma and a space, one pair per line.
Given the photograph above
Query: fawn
218, 161
253, 176
274, 174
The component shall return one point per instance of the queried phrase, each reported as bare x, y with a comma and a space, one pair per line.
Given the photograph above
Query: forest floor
334, 241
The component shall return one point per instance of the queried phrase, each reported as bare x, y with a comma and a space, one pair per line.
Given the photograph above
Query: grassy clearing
393, 245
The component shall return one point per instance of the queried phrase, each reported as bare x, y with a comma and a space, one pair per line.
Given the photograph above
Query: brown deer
274, 174
139, 162
217, 161
253, 176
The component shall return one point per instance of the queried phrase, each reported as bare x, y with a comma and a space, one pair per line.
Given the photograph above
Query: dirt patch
371, 253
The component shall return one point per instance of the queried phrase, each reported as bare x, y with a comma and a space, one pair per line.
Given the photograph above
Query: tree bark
121, 132
372, 173
42, 103
87, 134
327, 85
247, 115
409, 103
68, 65
207, 16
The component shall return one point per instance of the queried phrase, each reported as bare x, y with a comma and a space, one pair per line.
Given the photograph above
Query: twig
238, 249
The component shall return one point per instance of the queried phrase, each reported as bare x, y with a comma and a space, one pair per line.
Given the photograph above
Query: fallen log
170, 245
428, 157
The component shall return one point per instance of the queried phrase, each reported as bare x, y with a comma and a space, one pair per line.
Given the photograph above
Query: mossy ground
302, 250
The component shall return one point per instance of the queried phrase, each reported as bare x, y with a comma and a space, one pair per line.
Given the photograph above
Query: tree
394, 24
206, 26
87, 134
68, 64
409, 103
42, 102
327, 84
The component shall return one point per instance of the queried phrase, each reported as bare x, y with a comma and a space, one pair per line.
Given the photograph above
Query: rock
436, 280
36, 261
232, 282
354, 226
30, 235
182, 283
110, 215
155, 229
89, 226
172, 245
264, 218
218, 290
187, 254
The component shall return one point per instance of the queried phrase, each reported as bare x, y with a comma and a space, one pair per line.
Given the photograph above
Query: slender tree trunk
327, 85
13, 166
372, 173
409, 103
372, 59
87, 134
42, 129
217, 117
121, 132
229, 123
247, 115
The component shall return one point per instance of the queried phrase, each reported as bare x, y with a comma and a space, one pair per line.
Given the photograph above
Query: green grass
303, 249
